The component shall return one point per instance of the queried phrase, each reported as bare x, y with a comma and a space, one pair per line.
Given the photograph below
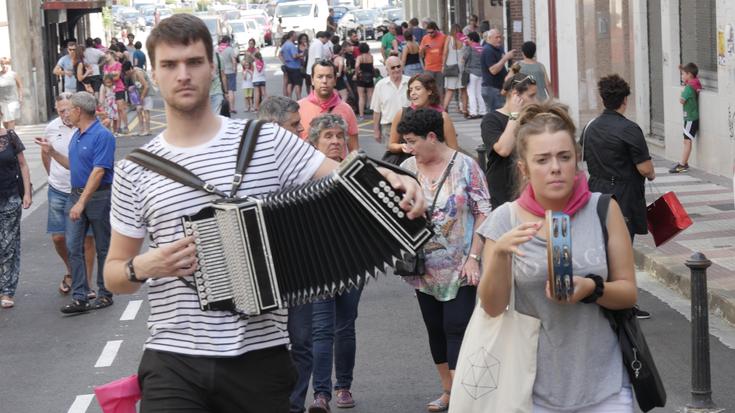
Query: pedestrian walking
340, 65
575, 336
139, 59
217, 90
228, 60
388, 43
323, 99
15, 195
333, 319
530, 66
292, 60
304, 46
453, 67
432, 51
113, 68
473, 68
315, 52
188, 364
259, 79
58, 133
11, 94
422, 93
364, 78
389, 97
108, 102
690, 104
247, 84
498, 130
494, 71
410, 57
94, 58
65, 69
472, 26
455, 185
141, 84
90, 162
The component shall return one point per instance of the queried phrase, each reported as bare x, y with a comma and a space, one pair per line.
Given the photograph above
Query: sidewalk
709, 201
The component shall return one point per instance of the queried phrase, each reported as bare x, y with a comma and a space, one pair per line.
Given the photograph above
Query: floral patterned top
463, 196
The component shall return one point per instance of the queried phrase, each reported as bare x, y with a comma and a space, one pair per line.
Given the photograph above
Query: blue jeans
492, 97
96, 215
299, 332
333, 334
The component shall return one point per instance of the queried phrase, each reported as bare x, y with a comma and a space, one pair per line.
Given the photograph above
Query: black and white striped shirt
147, 204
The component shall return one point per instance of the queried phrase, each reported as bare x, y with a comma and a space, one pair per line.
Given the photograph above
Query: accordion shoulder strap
171, 170
245, 152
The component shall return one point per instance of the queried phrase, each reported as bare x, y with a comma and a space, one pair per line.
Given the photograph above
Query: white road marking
108, 353
81, 403
131, 310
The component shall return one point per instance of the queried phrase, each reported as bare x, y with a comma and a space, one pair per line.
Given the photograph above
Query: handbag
496, 367
666, 218
224, 109
119, 396
637, 358
395, 158
465, 78
13, 138
415, 265
451, 70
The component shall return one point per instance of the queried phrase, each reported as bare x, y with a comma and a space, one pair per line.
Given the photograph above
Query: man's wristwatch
476, 257
513, 116
130, 271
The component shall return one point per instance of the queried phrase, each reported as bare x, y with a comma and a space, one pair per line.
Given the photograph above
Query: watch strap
130, 269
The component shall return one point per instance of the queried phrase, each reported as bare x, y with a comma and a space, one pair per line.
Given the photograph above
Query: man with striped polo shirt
198, 360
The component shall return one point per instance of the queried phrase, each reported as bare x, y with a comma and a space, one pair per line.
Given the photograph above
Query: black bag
415, 265
224, 108
465, 78
395, 158
451, 70
13, 138
637, 358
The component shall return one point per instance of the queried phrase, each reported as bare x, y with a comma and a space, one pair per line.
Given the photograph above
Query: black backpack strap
603, 205
245, 153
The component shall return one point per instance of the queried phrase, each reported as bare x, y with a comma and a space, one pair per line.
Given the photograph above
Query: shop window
698, 28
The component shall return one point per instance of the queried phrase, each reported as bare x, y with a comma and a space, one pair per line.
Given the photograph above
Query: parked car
262, 18
242, 31
129, 18
216, 27
339, 12
362, 20
385, 18
307, 16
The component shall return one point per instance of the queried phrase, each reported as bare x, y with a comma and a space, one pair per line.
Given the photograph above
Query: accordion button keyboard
400, 214
390, 204
381, 195
396, 210
391, 194
376, 190
382, 184
397, 199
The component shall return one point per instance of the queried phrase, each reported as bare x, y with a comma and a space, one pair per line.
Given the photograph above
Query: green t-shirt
387, 42
691, 107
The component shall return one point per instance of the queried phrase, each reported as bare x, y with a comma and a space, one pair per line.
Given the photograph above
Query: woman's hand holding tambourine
511, 240
582, 288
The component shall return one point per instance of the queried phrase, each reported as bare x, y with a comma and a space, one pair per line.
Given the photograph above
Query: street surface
51, 363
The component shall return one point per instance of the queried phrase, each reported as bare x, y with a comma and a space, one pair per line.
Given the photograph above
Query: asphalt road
51, 363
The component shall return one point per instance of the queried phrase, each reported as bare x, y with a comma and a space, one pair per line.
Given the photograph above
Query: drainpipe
553, 57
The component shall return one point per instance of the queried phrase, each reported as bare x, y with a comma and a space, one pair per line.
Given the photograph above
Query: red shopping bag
666, 217
119, 396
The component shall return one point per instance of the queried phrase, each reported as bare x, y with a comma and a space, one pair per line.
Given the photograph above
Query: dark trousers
446, 322
255, 382
299, 332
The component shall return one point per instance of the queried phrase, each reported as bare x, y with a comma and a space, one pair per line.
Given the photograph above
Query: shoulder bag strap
219, 74
441, 183
245, 153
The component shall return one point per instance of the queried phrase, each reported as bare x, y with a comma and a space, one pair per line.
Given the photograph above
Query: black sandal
65, 287
101, 302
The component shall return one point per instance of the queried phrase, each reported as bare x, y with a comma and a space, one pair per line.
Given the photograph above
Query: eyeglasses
395, 67
430, 32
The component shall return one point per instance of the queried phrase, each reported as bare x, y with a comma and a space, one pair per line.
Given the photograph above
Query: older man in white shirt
389, 97
59, 132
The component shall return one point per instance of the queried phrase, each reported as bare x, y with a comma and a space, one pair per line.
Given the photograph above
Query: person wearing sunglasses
498, 131
432, 50
389, 97
65, 67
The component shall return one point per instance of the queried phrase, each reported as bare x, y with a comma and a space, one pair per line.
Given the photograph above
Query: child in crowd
247, 84
258, 79
689, 100
108, 102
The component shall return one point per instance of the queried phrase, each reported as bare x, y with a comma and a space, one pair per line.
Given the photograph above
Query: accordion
559, 254
303, 243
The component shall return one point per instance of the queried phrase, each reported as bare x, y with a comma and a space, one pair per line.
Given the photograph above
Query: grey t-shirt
537, 71
227, 55
579, 362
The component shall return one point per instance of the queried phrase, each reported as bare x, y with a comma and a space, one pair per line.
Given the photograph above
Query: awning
75, 4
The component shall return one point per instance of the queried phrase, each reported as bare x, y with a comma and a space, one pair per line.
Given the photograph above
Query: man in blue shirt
292, 61
91, 160
493, 69
64, 67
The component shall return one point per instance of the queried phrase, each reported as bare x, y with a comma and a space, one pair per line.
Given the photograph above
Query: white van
305, 16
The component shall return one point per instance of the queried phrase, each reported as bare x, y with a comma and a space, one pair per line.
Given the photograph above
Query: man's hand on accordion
413, 201
177, 259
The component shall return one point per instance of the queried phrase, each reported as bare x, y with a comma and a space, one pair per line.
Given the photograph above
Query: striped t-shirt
147, 204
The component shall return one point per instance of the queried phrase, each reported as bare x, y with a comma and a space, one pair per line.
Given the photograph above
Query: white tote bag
496, 368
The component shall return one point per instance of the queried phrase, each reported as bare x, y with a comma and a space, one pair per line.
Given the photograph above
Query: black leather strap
245, 153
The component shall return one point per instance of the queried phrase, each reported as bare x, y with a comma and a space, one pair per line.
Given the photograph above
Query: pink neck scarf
580, 195
437, 108
327, 104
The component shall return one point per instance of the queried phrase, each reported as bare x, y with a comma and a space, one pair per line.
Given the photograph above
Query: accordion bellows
303, 243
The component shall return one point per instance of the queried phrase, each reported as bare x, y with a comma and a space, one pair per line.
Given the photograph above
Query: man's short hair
325, 121
351, 32
422, 121
64, 96
691, 68
69, 41
324, 63
613, 91
322, 34
529, 49
432, 26
84, 101
277, 109
180, 28
138, 45
127, 66
414, 21
88, 42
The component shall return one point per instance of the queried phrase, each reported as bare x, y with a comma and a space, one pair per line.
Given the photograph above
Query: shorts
691, 127
11, 110
231, 81
56, 223
248, 92
147, 103
258, 84
95, 82
120, 95
294, 76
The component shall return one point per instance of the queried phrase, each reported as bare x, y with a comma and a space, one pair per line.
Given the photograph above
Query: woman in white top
453, 49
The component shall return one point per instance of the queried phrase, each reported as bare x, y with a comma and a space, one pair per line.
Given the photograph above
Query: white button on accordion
303, 243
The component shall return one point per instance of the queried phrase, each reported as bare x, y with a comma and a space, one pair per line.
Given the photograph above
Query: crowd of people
489, 237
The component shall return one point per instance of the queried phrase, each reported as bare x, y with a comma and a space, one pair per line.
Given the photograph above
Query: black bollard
701, 377
482, 156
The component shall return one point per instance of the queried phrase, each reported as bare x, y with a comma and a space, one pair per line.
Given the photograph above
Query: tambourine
559, 254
